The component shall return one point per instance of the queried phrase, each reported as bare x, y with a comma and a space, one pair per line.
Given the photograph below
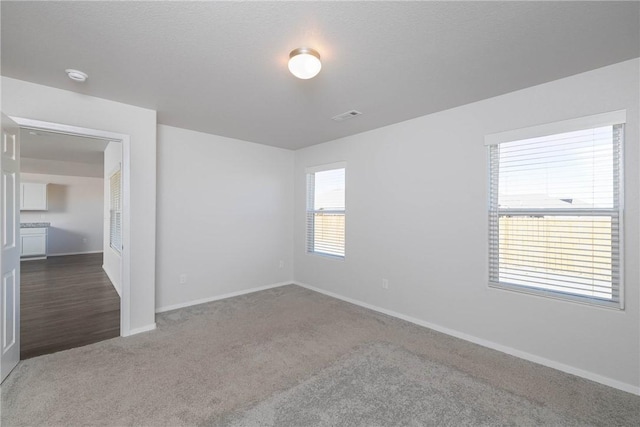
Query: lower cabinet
33, 242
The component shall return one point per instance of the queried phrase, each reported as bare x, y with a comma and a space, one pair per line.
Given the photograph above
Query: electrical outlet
385, 284
85, 240
281, 264
183, 278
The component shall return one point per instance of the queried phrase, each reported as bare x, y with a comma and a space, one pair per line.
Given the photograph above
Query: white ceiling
62, 148
220, 67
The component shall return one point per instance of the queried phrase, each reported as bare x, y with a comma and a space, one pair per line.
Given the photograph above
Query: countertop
35, 224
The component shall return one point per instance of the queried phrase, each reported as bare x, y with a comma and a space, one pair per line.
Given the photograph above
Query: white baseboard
219, 297
113, 282
489, 344
147, 328
76, 253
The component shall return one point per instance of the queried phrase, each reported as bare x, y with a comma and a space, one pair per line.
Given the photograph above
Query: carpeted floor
290, 356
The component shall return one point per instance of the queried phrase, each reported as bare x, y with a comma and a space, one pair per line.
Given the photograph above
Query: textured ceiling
220, 67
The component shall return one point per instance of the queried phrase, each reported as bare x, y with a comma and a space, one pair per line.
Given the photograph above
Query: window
326, 210
115, 212
555, 210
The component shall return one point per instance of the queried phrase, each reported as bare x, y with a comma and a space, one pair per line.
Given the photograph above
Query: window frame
310, 212
583, 123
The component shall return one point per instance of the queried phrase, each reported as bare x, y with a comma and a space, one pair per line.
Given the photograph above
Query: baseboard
489, 344
219, 297
76, 253
113, 282
147, 328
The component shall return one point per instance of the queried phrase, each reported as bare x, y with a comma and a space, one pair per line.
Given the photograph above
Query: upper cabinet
33, 196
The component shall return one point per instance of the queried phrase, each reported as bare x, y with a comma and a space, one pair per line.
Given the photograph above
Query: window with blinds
326, 210
555, 211
115, 212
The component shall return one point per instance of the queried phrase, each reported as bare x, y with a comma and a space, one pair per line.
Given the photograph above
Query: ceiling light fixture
76, 75
304, 63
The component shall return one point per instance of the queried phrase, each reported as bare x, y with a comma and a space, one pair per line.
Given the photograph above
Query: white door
10, 250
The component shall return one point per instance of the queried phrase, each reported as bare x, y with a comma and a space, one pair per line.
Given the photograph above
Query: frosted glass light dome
304, 63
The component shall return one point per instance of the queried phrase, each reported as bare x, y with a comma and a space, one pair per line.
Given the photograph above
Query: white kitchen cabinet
33, 242
33, 196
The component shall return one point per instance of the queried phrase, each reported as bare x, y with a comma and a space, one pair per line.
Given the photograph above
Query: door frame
125, 255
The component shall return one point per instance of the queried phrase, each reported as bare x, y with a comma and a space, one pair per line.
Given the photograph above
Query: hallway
66, 302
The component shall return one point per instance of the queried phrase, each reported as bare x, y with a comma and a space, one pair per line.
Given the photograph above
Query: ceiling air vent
345, 116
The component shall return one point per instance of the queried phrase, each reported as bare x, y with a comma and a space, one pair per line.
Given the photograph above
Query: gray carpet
384, 385
289, 356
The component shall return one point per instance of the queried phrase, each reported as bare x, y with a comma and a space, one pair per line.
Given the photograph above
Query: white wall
225, 214
75, 213
38, 102
417, 215
111, 260
56, 167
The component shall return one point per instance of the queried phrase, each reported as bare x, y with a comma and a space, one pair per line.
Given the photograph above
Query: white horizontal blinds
494, 174
326, 212
311, 188
555, 214
115, 210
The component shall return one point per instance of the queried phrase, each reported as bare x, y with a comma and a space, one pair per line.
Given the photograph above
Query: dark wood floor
66, 302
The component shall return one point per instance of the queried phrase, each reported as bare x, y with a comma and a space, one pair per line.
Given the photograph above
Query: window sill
577, 299
328, 256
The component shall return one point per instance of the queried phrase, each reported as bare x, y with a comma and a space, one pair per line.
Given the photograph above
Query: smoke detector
76, 75
345, 116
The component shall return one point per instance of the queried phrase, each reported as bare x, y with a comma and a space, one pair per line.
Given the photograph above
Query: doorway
70, 245
124, 144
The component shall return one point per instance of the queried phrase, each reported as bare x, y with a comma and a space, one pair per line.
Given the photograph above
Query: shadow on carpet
385, 385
